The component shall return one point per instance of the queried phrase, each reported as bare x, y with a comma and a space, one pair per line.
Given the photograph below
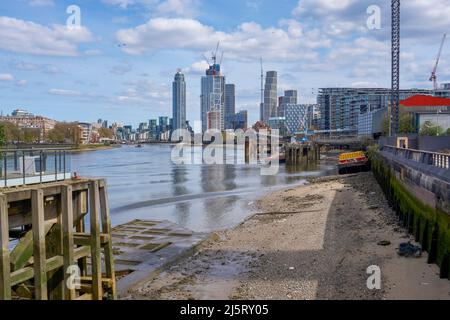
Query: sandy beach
311, 242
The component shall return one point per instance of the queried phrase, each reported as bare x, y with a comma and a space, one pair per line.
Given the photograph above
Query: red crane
434, 72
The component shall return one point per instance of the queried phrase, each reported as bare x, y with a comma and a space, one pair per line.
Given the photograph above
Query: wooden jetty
48, 225
299, 154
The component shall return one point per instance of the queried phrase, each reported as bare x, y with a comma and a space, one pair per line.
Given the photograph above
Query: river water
143, 183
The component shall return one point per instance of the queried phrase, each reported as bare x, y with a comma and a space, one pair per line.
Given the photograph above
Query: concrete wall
432, 144
420, 196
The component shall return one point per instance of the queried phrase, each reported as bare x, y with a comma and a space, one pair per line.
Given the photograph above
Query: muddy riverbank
310, 242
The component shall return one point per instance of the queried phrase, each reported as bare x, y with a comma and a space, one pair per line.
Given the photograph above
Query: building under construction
340, 108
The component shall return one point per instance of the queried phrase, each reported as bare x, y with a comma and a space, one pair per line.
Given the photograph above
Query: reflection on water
144, 184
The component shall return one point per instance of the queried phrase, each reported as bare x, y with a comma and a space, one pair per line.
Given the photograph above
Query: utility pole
395, 94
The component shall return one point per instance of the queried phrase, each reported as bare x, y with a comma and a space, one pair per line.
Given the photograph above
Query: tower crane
433, 77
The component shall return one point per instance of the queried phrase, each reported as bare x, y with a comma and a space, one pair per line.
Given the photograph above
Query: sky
120, 62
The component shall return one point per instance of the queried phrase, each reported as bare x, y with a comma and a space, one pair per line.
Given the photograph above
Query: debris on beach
407, 249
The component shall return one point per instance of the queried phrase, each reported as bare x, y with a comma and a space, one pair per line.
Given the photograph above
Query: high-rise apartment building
179, 101
212, 96
340, 108
270, 96
230, 105
290, 97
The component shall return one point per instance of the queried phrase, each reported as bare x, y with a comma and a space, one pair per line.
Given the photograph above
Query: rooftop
425, 101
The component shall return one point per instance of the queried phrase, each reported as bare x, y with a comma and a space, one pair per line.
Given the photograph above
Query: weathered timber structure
61, 244
299, 154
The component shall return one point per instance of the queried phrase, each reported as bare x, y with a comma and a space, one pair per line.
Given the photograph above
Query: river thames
143, 183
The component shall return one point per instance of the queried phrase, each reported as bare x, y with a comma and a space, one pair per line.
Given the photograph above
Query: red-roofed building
428, 109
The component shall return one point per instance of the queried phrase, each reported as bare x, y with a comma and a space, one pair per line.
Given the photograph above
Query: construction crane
262, 92
433, 77
395, 71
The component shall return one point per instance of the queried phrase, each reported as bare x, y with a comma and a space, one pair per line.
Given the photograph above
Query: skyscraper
212, 96
230, 105
179, 101
270, 96
290, 97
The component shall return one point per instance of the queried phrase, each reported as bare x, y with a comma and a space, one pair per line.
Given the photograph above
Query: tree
406, 123
106, 133
2, 135
385, 124
30, 135
431, 129
65, 132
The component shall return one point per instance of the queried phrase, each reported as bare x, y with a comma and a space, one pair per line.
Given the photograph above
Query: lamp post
437, 121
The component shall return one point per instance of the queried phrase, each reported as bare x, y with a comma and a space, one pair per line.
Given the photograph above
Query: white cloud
41, 3
28, 37
28, 66
121, 69
144, 93
166, 8
197, 68
21, 83
64, 92
178, 8
6, 77
247, 42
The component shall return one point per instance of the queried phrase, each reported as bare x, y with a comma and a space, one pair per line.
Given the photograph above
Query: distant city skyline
119, 65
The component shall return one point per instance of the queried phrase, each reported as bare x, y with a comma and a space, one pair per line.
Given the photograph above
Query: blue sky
88, 73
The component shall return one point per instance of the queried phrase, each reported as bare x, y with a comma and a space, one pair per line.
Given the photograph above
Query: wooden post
95, 241
106, 229
5, 284
80, 227
40, 272
67, 228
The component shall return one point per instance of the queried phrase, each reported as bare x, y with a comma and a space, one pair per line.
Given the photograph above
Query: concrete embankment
420, 196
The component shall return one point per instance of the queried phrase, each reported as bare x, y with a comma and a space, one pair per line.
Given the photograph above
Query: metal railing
439, 160
31, 166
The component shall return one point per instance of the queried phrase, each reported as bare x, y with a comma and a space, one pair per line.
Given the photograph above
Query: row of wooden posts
50, 220
299, 154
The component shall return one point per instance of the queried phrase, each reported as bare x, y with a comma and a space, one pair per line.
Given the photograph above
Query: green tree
65, 132
2, 135
106, 133
431, 129
406, 123
448, 132
385, 124
30, 135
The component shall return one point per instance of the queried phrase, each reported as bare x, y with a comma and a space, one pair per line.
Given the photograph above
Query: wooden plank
54, 247
23, 251
80, 228
5, 281
39, 253
27, 273
106, 229
67, 228
96, 260
84, 239
50, 189
86, 296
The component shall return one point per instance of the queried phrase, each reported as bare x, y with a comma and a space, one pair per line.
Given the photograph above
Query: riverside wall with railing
31, 166
417, 185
